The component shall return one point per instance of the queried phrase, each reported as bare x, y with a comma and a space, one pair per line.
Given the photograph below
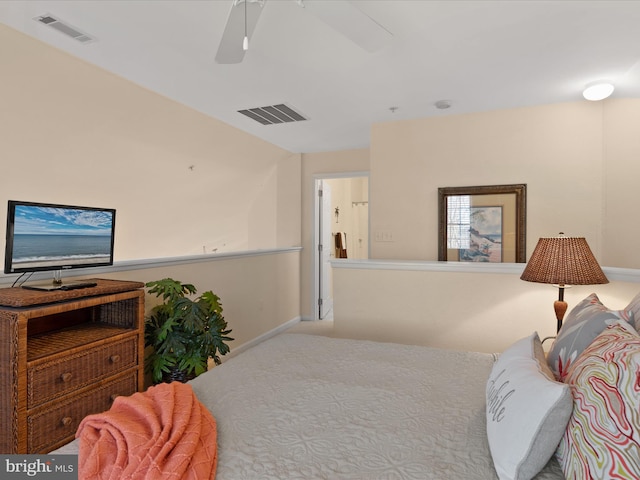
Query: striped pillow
602, 439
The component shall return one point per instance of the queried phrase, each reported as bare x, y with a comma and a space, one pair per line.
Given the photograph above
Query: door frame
315, 231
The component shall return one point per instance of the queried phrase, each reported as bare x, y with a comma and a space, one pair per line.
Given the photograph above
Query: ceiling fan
343, 16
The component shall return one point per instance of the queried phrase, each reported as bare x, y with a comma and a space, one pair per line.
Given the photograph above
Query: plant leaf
170, 289
184, 331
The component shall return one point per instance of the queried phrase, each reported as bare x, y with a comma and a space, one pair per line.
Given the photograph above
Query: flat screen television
44, 236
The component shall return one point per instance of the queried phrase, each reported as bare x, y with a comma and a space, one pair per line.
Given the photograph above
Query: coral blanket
163, 433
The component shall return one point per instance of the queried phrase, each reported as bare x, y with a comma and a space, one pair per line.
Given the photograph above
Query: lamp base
560, 306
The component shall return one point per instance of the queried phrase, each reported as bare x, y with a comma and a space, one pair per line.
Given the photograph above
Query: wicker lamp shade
563, 261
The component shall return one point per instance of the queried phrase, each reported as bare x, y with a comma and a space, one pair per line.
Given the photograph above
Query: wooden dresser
64, 355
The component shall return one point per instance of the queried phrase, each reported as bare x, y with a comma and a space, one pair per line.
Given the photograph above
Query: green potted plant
183, 331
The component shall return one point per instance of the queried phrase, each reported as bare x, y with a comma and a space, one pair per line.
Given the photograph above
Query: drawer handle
114, 358
66, 421
66, 376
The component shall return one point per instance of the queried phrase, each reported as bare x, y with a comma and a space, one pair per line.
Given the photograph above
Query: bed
312, 407
300, 406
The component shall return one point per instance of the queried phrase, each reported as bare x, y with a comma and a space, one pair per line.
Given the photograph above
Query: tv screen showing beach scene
52, 237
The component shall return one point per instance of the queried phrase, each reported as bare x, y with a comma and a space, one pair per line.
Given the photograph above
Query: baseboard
252, 343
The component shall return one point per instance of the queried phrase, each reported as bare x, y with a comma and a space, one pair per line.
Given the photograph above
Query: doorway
341, 224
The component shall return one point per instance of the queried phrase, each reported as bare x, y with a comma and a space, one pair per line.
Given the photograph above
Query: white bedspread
310, 407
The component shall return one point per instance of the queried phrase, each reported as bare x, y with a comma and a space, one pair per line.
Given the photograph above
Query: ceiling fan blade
351, 22
230, 49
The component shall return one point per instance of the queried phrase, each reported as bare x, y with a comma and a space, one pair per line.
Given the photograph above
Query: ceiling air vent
68, 30
273, 114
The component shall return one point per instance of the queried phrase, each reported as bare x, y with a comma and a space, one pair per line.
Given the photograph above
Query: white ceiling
480, 55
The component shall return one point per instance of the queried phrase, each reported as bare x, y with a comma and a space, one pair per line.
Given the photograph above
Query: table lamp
563, 261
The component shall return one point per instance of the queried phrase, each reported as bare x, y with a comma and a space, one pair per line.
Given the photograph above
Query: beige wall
350, 195
556, 150
578, 159
258, 291
182, 183
422, 304
580, 163
621, 154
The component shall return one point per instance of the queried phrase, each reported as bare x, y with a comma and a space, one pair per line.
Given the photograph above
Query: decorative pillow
584, 322
527, 411
602, 439
634, 309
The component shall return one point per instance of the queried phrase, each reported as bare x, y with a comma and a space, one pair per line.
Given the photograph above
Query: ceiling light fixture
598, 91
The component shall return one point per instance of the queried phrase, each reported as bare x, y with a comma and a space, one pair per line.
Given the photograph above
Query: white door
325, 250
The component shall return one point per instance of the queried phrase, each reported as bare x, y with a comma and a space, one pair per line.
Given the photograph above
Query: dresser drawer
49, 380
56, 424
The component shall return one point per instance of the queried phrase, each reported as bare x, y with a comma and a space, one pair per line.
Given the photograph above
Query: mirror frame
518, 190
